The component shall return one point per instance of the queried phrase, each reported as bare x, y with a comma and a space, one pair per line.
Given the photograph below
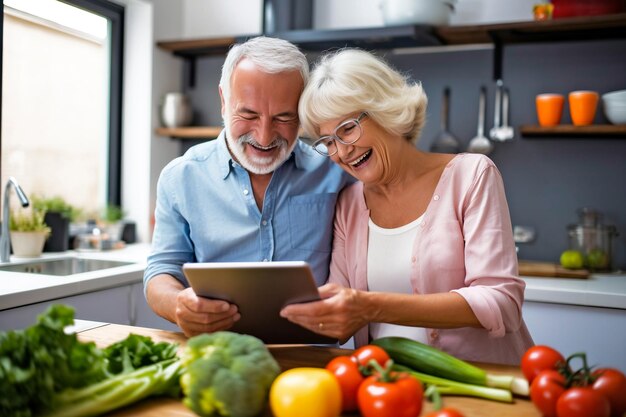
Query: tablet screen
260, 290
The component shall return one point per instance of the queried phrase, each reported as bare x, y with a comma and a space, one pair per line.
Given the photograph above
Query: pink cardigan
465, 244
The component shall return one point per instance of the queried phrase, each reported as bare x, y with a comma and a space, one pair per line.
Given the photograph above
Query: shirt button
246, 192
413, 259
434, 334
436, 197
264, 222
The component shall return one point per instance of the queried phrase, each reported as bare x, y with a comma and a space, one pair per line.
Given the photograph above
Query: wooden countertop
291, 356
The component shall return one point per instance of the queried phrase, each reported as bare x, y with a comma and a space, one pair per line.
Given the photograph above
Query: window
61, 99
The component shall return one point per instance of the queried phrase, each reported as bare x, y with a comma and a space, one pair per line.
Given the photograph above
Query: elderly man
256, 193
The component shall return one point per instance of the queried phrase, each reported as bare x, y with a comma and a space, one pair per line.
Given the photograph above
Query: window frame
115, 14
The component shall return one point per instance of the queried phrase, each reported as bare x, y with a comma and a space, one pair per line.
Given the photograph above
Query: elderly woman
423, 244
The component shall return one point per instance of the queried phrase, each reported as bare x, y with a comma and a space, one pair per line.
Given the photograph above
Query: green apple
572, 259
597, 259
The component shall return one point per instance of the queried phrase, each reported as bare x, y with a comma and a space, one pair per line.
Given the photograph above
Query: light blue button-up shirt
206, 211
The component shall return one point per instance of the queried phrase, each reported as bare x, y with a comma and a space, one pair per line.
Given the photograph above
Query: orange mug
549, 109
582, 107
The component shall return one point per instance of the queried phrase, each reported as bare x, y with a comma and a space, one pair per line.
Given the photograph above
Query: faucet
5, 237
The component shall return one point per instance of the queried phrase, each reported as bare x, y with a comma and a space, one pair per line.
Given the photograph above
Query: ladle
445, 141
480, 143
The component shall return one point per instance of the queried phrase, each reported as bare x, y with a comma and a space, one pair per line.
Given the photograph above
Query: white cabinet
125, 304
113, 305
599, 332
144, 316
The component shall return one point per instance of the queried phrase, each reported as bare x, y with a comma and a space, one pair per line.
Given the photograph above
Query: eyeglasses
346, 133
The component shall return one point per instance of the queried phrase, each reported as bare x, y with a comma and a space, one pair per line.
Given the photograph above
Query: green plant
28, 221
56, 204
113, 213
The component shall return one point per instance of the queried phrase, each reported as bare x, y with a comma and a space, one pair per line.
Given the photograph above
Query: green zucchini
432, 361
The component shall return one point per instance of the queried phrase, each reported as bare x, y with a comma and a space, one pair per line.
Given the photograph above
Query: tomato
305, 392
401, 397
612, 384
545, 390
364, 354
582, 402
445, 412
539, 358
347, 372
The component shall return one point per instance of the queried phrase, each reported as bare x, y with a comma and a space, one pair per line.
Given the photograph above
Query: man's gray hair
271, 55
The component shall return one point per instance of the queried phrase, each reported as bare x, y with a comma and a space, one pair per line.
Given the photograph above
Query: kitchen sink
62, 266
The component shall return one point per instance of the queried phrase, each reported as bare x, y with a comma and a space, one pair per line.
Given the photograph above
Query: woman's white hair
351, 81
271, 55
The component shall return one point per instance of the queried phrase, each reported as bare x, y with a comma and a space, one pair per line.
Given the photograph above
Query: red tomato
612, 384
539, 358
545, 390
582, 402
400, 398
365, 353
347, 372
445, 412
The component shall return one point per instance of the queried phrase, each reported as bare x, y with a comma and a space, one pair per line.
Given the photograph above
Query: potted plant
112, 217
28, 232
59, 215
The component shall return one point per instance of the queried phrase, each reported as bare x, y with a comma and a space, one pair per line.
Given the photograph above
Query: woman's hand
341, 312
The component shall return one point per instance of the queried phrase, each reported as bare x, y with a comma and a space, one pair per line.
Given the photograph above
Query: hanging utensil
505, 132
445, 141
494, 132
480, 143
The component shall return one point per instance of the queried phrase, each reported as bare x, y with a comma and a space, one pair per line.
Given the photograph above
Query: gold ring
320, 325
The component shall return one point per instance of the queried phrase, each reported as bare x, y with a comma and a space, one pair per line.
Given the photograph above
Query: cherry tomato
612, 384
582, 402
445, 412
399, 398
365, 353
539, 358
545, 391
347, 372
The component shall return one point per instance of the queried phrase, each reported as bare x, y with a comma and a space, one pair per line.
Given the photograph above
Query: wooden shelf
567, 29
190, 132
604, 131
388, 37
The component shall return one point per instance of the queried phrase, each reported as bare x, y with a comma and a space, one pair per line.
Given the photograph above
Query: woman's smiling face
366, 159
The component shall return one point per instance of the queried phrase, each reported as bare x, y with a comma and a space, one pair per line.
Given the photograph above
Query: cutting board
549, 269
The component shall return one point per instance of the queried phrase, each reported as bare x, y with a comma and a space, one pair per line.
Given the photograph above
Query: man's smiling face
261, 116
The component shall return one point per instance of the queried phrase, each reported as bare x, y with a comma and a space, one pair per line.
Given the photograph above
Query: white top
389, 269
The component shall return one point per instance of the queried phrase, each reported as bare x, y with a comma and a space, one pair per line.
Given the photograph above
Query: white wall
218, 18
137, 120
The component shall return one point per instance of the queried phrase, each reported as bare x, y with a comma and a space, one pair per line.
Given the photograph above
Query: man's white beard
254, 164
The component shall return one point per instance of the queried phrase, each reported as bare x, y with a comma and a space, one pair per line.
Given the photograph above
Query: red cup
582, 107
549, 108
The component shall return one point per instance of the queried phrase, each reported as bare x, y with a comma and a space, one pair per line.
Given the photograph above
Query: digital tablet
260, 290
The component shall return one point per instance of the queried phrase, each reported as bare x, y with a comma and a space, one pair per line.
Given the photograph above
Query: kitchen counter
599, 290
18, 289
290, 357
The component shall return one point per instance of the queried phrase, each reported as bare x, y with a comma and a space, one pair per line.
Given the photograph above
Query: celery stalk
449, 387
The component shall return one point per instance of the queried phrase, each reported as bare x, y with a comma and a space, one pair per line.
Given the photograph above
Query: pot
175, 110
411, 12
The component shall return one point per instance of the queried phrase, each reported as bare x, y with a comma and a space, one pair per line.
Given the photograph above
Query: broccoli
227, 374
